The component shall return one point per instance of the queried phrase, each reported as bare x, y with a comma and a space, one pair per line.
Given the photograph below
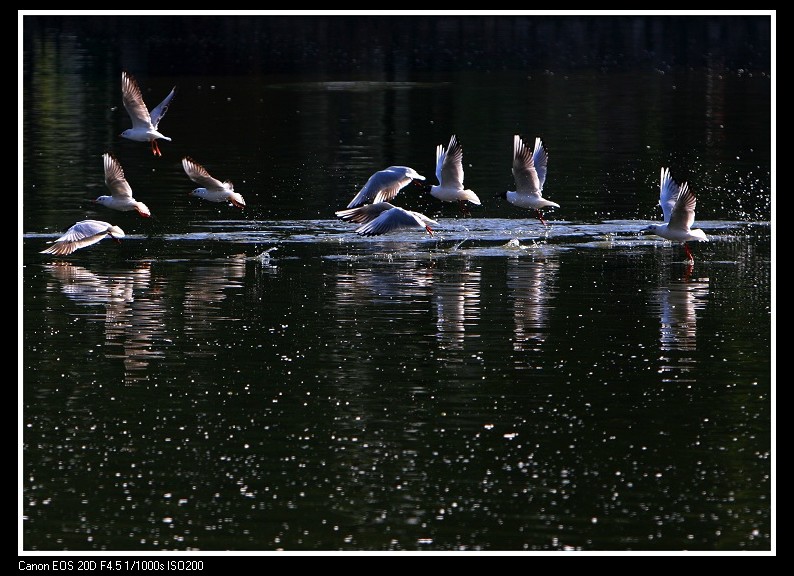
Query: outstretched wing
524, 172
159, 111
114, 177
200, 176
668, 194
133, 102
683, 214
394, 219
82, 234
382, 186
449, 165
541, 159
363, 214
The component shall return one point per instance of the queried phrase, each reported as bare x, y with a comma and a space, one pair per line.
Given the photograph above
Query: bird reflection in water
532, 285
456, 295
206, 288
678, 304
385, 281
378, 305
132, 311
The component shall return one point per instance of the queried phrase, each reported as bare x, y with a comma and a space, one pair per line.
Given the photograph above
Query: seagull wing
440, 154
382, 186
200, 176
133, 102
391, 185
82, 234
159, 111
541, 159
668, 193
364, 213
394, 218
683, 214
114, 178
524, 172
449, 165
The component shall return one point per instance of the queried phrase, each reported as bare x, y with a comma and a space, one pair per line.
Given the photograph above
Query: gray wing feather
365, 213
392, 219
382, 186
450, 170
200, 176
82, 234
541, 159
668, 194
114, 177
133, 102
683, 214
159, 111
524, 172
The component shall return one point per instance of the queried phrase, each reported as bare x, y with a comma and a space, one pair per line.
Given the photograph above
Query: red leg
156, 148
429, 230
540, 217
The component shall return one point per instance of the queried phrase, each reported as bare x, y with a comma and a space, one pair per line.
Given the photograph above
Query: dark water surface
266, 379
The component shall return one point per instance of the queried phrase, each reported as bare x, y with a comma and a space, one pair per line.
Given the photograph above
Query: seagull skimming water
82, 234
529, 172
210, 188
678, 207
382, 217
449, 171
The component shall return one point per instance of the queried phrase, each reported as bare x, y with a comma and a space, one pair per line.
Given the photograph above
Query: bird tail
472, 197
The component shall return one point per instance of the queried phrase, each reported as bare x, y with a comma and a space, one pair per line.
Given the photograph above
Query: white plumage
82, 234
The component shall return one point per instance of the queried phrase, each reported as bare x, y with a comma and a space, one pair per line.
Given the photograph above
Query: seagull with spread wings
529, 172
678, 207
82, 234
144, 123
120, 191
210, 188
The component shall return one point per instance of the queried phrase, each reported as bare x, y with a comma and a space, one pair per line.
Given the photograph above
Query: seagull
384, 185
529, 172
120, 191
449, 172
382, 217
211, 189
82, 234
678, 207
144, 123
